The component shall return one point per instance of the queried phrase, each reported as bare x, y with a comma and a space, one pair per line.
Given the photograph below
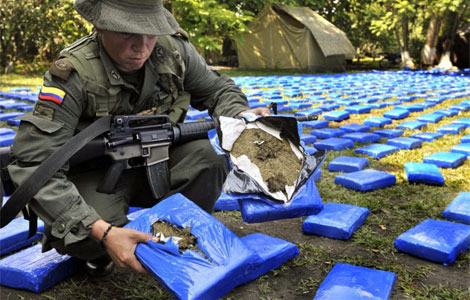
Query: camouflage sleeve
52, 123
209, 89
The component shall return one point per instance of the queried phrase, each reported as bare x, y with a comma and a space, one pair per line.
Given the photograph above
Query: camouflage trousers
196, 171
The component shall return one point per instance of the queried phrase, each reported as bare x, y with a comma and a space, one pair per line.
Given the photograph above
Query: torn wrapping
245, 177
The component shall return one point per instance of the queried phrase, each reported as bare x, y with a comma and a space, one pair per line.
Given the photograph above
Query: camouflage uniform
174, 77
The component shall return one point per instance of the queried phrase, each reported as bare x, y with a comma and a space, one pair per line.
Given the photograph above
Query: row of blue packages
227, 261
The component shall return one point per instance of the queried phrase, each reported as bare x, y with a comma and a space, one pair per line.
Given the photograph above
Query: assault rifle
130, 141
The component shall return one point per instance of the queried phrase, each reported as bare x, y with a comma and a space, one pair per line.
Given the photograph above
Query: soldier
137, 60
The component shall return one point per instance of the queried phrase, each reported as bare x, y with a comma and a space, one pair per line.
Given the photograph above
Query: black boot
100, 267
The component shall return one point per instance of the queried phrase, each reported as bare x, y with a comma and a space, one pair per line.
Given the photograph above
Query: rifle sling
24, 193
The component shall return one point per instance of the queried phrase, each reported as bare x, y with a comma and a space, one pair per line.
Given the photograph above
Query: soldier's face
128, 51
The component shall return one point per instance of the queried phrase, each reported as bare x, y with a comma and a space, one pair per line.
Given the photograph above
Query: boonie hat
132, 16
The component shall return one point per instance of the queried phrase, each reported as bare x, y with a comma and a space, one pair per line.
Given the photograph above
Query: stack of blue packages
224, 261
351, 282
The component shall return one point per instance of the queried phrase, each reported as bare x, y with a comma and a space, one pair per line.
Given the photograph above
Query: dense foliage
32, 32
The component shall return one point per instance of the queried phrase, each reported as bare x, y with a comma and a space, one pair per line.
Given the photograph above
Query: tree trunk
405, 54
428, 53
453, 20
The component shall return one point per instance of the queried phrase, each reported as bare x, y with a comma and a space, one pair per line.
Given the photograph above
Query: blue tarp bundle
347, 164
376, 151
459, 209
36, 271
405, 143
354, 128
227, 260
445, 159
427, 136
389, 133
435, 240
256, 208
351, 282
227, 202
334, 144
362, 137
377, 121
366, 180
14, 235
423, 173
461, 148
337, 115
336, 220
411, 125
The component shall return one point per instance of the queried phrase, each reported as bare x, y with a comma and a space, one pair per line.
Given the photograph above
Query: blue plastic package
224, 265
396, 114
334, 144
358, 109
33, 270
351, 282
227, 202
272, 253
366, 180
463, 148
336, 115
427, 136
14, 235
7, 140
389, 133
423, 173
336, 220
10, 115
411, 125
377, 121
445, 159
362, 137
452, 128
354, 128
257, 208
405, 143
465, 139
347, 164
435, 240
459, 209
377, 151
316, 124
430, 118
326, 133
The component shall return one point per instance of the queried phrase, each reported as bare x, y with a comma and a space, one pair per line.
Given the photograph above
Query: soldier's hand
121, 243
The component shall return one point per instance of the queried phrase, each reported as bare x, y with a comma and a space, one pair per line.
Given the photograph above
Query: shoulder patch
52, 94
61, 68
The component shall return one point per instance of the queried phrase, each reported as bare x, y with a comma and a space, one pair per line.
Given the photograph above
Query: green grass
393, 211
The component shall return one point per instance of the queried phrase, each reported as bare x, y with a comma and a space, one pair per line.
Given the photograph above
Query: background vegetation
32, 32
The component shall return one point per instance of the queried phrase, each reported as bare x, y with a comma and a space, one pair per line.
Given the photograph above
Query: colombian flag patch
52, 94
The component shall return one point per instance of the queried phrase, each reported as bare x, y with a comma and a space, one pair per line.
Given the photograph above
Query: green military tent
285, 37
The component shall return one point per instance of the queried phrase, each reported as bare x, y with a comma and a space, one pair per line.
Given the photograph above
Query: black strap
24, 193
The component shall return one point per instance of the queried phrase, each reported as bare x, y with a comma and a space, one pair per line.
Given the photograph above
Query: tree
32, 32
455, 14
209, 22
